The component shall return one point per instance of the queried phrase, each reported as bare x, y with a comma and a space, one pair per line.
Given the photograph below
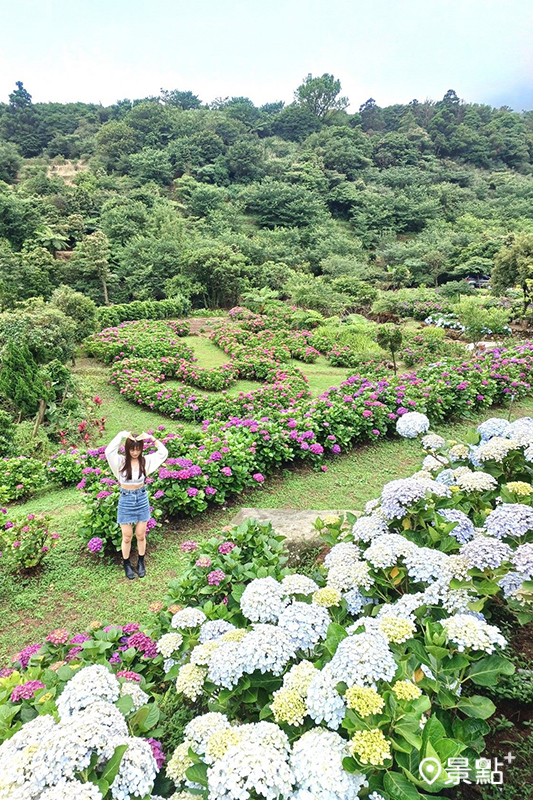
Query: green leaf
197, 773
125, 704
399, 787
112, 767
64, 673
487, 671
477, 706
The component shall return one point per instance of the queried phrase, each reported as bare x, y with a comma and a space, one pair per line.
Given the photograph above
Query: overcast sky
391, 50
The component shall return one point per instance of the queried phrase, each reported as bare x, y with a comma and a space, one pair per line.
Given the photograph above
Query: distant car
480, 282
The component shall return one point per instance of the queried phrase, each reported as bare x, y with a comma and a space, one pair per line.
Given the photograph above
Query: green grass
75, 588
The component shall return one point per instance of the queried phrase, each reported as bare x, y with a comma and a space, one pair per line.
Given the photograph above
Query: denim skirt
133, 506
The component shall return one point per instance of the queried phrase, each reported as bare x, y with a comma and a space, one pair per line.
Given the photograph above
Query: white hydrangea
496, 449
343, 553
386, 550
72, 790
188, 618
316, 761
202, 653
432, 441
299, 677
432, 464
494, 426
250, 769
267, 648
521, 430
412, 424
263, 600
306, 624
169, 643
466, 630
199, 729
459, 452
87, 686
137, 771
424, 564
298, 584
368, 527
476, 481
363, 659
226, 665
214, 629
344, 577
324, 703
134, 691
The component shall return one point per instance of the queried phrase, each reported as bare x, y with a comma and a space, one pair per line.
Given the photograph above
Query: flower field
333, 683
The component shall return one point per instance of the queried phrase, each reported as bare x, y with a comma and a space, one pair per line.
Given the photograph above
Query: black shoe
141, 569
128, 569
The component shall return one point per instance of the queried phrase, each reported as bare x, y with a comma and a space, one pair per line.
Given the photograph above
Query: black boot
128, 569
141, 569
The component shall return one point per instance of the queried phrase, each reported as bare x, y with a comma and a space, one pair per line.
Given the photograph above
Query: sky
102, 51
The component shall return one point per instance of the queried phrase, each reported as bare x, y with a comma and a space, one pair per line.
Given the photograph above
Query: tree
79, 308
390, 337
320, 95
151, 165
10, 162
219, 270
21, 382
91, 255
513, 265
277, 203
183, 100
46, 331
49, 239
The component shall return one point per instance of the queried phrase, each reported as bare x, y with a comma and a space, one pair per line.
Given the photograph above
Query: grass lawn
75, 588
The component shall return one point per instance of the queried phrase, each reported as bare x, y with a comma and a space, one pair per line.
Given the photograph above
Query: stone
295, 525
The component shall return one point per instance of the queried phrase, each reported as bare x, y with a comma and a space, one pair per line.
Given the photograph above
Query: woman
133, 506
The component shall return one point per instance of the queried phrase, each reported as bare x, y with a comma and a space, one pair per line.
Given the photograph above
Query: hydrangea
396, 629
214, 629
247, 770
327, 597
486, 552
179, 763
364, 700
298, 584
85, 687
412, 424
188, 618
288, 707
521, 430
447, 477
71, 790
267, 648
316, 762
386, 550
433, 441
523, 559
168, 643
368, 527
356, 601
463, 531
135, 692
344, 577
306, 624
476, 481
520, 488
371, 747
510, 519
324, 703
363, 659
496, 449
466, 630
399, 495
494, 426
263, 600
432, 464
511, 583
199, 729
219, 742
137, 771
424, 564
190, 680
299, 677
406, 690
459, 452
202, 653
225, 666
342, 553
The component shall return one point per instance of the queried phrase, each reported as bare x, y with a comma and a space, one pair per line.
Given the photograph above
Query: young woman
131, 470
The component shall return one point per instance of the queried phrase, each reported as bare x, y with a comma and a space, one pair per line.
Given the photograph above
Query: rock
296, 526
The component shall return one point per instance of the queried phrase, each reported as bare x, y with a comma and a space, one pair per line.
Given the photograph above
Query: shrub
25, 541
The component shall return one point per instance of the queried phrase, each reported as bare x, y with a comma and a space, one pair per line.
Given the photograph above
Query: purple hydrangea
24, 656
510, 519
95, 544
486, 552
464, 529
215, 577
157, 752
397, 496
25, 691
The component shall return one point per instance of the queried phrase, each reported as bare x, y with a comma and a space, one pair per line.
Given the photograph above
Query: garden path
295, 525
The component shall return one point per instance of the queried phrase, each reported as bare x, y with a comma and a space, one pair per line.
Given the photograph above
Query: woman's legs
127, 536
140, 535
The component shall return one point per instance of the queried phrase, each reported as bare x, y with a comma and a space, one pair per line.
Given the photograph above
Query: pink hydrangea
129, 675
188, 546
216, 577
58, 636
225, 548
25, 691
203, 561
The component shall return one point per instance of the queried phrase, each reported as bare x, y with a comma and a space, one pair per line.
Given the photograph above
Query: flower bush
20, 477
25, 541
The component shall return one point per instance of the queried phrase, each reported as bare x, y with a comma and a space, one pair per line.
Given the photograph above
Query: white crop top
116, 460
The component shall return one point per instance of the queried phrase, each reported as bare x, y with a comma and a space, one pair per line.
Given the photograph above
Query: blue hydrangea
495, 426
464, 529
523, 559
510, 519
446, 477
521, 430
397, 496
412, 424
473, 455
213, 629
511, 583
306, 624
486, 552
356, 601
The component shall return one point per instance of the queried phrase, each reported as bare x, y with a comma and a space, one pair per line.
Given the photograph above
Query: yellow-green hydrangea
328, 596
520, 487
288, 706
406, 690
396, 629
331, 520
299, 677
190, 680
370, 747
364, 700
459, 451
236, 635
201, 654
179, 763
219, 742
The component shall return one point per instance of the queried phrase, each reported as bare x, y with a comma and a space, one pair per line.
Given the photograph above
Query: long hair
126, 469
